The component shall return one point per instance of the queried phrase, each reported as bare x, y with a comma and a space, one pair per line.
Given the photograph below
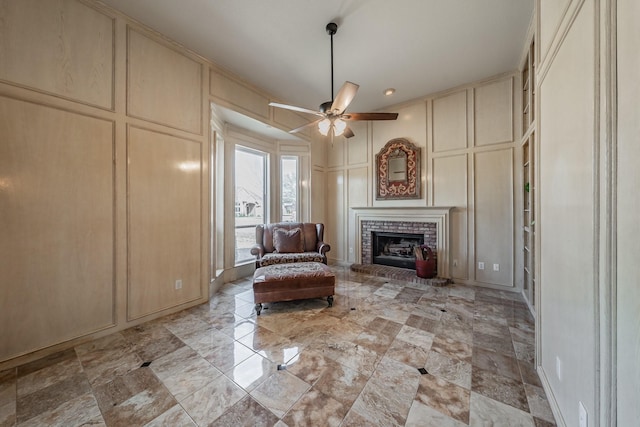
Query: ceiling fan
332, 116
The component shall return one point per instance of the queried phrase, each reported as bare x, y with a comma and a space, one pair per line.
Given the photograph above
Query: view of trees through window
251, 196
250, 199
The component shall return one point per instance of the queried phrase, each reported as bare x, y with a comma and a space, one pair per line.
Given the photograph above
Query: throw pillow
288, 241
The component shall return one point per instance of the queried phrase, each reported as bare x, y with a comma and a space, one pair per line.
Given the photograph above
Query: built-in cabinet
528, 145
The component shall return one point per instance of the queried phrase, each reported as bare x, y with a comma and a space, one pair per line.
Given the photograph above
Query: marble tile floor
388, 353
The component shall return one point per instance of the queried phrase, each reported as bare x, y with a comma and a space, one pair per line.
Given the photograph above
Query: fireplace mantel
438, 215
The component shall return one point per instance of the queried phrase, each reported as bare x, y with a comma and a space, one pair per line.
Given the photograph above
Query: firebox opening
395, 249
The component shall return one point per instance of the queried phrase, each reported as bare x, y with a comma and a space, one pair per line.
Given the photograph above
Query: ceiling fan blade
344, 97
348, 133
370, 116
303, 127
294, 108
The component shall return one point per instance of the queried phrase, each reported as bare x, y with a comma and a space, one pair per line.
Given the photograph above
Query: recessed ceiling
418, 47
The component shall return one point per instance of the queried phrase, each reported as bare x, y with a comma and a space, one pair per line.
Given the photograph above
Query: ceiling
418, 47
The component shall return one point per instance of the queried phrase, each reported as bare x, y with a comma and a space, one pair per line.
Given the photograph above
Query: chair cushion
288, 241
277, 258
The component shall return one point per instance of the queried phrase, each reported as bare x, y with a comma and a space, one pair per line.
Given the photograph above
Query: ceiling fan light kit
333, 119
338, 126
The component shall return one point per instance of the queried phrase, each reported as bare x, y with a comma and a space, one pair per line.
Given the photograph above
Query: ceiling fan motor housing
325, 107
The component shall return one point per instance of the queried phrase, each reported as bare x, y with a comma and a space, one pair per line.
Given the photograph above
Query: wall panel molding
569, 16
568, 223
449, 122
164, 86
64, 49
164, 223
493, 112
228, 91
494, 218
58, 228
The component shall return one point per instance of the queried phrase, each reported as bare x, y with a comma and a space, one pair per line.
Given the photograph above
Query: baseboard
551, 398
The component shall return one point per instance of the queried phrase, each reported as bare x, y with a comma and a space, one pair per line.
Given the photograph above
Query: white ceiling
418, 47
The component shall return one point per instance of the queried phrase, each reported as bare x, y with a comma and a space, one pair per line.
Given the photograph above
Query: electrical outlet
481, 266
455, 262
496, 267
350, 250
559, 368
583, 420
179, 284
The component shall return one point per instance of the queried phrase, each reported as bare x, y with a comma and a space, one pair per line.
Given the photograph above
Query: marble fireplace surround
438, 215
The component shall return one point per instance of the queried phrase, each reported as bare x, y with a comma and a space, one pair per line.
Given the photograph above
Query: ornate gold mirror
398, 170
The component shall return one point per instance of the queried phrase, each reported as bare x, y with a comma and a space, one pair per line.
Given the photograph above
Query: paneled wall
467, 141
472, 139
57, 186
103, 175
627, 315
576, 231
165, 193
61, 48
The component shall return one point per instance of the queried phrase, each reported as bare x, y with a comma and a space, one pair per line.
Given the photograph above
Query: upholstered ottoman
293, 281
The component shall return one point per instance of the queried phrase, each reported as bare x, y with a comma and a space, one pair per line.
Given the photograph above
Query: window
251, 198
289, 188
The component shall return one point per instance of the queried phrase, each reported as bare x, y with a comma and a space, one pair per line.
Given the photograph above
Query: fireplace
430, 222
395, 249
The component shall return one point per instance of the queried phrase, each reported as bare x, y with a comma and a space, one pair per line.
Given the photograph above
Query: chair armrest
323, 247
258, 250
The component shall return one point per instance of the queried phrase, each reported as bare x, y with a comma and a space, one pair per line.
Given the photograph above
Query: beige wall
583, 182
628, 203
104, 173
104, 161
566, 221
467, 138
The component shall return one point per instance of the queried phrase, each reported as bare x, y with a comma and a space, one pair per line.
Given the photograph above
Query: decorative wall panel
494, 216
359, 188
357, 147
335, 152
318, 195
358, 194
450, 122
567, 218
450, 189
336, 211
494, 112
61, 47
57, 226
551, 13
164, 175
163, 85
238, 95
628, 245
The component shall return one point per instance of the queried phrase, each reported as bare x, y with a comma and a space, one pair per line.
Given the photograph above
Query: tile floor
300, 364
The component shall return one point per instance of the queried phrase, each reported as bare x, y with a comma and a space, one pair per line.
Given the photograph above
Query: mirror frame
388, 188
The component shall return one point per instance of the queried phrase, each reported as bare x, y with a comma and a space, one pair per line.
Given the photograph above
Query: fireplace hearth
395, 249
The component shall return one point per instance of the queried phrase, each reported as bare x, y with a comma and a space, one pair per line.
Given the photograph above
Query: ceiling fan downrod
332, 28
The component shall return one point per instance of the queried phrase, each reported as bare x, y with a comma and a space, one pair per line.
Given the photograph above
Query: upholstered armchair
286, 242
